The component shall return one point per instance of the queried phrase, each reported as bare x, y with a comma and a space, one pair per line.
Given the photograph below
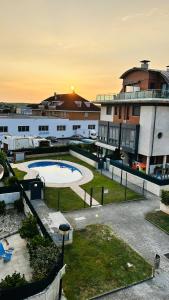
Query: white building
25, 125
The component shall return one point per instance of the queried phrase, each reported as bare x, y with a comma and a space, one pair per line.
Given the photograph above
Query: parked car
77, 137
53, 139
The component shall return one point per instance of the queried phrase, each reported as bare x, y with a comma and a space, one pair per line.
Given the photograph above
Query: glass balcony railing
148, 94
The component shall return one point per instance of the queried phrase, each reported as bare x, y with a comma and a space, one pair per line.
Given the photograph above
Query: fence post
102, 195
112, 172
121, 179
91, 196
125, 191
143, 186
84, 198
58, 199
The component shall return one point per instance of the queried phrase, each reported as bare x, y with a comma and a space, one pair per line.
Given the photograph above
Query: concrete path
84, 196
128, 222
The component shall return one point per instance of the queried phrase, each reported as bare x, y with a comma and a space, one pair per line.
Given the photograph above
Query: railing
128, 169
85, 153
147, 94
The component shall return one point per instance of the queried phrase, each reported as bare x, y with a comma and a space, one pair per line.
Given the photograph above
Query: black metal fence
84, 153
160, 181
44, 150
33, 288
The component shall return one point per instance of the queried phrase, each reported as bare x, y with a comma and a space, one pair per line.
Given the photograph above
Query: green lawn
63, 199
19, 174
159, 219
97, 263
115, 192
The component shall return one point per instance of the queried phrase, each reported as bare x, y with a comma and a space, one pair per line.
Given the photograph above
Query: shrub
12, 180
42, 260
165, 197
3, 159
2, 207
18, 204
37, 241
29, 227
13, 280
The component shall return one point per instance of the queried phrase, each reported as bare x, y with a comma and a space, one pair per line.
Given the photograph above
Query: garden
98, 262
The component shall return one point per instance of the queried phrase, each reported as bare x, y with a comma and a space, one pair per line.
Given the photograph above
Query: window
3, 128
23, 128
115, 110
136, 110
61, 128
75, 127
43, 128
91, 126
108, 110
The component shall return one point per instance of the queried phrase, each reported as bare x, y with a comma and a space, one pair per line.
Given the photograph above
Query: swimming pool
56, 172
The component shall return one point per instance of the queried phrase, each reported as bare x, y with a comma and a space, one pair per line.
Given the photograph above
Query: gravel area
10, 222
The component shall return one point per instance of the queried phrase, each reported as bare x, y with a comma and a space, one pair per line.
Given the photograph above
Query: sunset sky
48, 45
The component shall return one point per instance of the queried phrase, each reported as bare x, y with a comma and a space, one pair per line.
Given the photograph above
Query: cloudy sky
46, 46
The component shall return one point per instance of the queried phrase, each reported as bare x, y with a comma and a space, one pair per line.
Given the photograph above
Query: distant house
68, 106
136, 121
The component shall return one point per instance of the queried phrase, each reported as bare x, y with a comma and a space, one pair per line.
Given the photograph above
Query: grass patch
19, 174
159, 219
63, 199
97, 263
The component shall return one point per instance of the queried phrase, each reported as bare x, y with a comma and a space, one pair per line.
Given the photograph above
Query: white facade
154, 120
104, 116
12, 123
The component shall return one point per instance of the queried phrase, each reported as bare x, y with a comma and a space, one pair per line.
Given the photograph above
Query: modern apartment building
136, 121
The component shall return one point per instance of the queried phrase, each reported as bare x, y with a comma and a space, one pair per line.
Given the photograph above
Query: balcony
147, 94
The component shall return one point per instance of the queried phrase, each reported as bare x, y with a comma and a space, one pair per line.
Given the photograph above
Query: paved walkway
84, 196
128, 222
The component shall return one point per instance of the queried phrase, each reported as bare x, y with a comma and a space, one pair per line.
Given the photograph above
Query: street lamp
122, 158
63, 229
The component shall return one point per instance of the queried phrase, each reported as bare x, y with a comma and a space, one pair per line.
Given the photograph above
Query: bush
3, 159
18, 204
37, 241
165, 197
12, 180
29, 227
42, 260
2, 207
14, 280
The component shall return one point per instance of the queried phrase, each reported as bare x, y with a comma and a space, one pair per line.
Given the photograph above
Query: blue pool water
56, 172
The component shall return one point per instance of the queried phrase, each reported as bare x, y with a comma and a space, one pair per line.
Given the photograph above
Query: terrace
137, 95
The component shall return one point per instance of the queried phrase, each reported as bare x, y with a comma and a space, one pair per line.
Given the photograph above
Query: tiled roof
70, 102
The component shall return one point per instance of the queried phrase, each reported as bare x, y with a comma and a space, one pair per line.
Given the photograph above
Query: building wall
160, 146
34, 123
137, 76
68, 114
131, 120
104, 116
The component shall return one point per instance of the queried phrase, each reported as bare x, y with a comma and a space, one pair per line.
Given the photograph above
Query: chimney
145, 64
167, 68
55, 96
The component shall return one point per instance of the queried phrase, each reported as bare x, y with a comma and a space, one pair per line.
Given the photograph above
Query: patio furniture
7, 256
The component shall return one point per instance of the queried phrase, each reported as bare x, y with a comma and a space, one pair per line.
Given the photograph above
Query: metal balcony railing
147, 94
